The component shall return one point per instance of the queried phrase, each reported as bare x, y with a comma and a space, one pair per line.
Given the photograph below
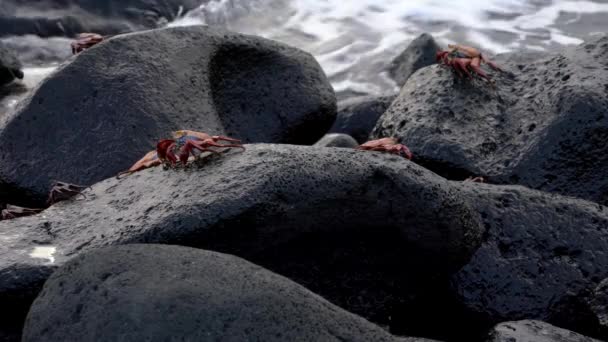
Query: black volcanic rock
69, 17
357, 116
539, 252
421, 52
98, 114
534, 331
350, 225
161, 293
543, 124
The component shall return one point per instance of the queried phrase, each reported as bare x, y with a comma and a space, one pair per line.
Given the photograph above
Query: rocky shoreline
294, 241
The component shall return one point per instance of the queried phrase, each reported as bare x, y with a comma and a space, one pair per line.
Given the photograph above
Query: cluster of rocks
347, 244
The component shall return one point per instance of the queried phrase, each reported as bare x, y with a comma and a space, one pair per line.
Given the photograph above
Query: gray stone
534, 331
69, 17
421, 53
598, 305
357, 116
10, 67
98, 114
349, 225
540, 250
337, 140
161, 293
543, 124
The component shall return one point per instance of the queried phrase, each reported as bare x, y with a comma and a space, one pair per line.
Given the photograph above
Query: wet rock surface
534, 331
337, 140
542, 125
10, 66
357, 116
369, 218
421, 53
102, 111
68, 18
184, 294
539, 252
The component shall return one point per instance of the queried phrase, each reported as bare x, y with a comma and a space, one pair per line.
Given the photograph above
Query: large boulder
421, 53
357, 116
543, 124
10, 67
540, 252
350, 225
69, 17
534, 331
98, 114
162, 293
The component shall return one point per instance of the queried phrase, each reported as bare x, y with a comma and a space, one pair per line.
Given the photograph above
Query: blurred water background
355, 40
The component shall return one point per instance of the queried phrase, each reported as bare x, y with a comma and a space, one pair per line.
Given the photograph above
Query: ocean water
355, 40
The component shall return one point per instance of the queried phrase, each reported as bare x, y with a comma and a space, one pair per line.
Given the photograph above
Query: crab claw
405, 152
164, 150
440, 56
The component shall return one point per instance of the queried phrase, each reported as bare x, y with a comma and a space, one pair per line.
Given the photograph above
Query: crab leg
164, 149
222, 138
490, 63
476, 66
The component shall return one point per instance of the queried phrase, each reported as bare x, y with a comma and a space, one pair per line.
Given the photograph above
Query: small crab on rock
84, 41
180, 148
60, 191
389, 145
464, 60
12, 211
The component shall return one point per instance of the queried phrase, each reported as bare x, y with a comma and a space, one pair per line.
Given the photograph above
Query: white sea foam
355, 40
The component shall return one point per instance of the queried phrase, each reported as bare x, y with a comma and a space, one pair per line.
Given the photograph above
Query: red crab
390, 145
464, 58
84, 41
185, 142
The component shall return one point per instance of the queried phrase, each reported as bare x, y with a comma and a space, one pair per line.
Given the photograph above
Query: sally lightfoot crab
185, 142
390, 145
465, 60
180, 148
61, 191
84, 41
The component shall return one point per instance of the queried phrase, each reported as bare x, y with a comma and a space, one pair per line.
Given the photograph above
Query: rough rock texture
337, 140
10, 67
539, 252
542, 125
534, 331
103, 111
69, 17
421, 52
357, 116
350, 225
161, 293
597, 302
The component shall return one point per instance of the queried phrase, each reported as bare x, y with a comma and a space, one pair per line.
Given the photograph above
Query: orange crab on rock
463, 59
84, 41
180, 148
389, 145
